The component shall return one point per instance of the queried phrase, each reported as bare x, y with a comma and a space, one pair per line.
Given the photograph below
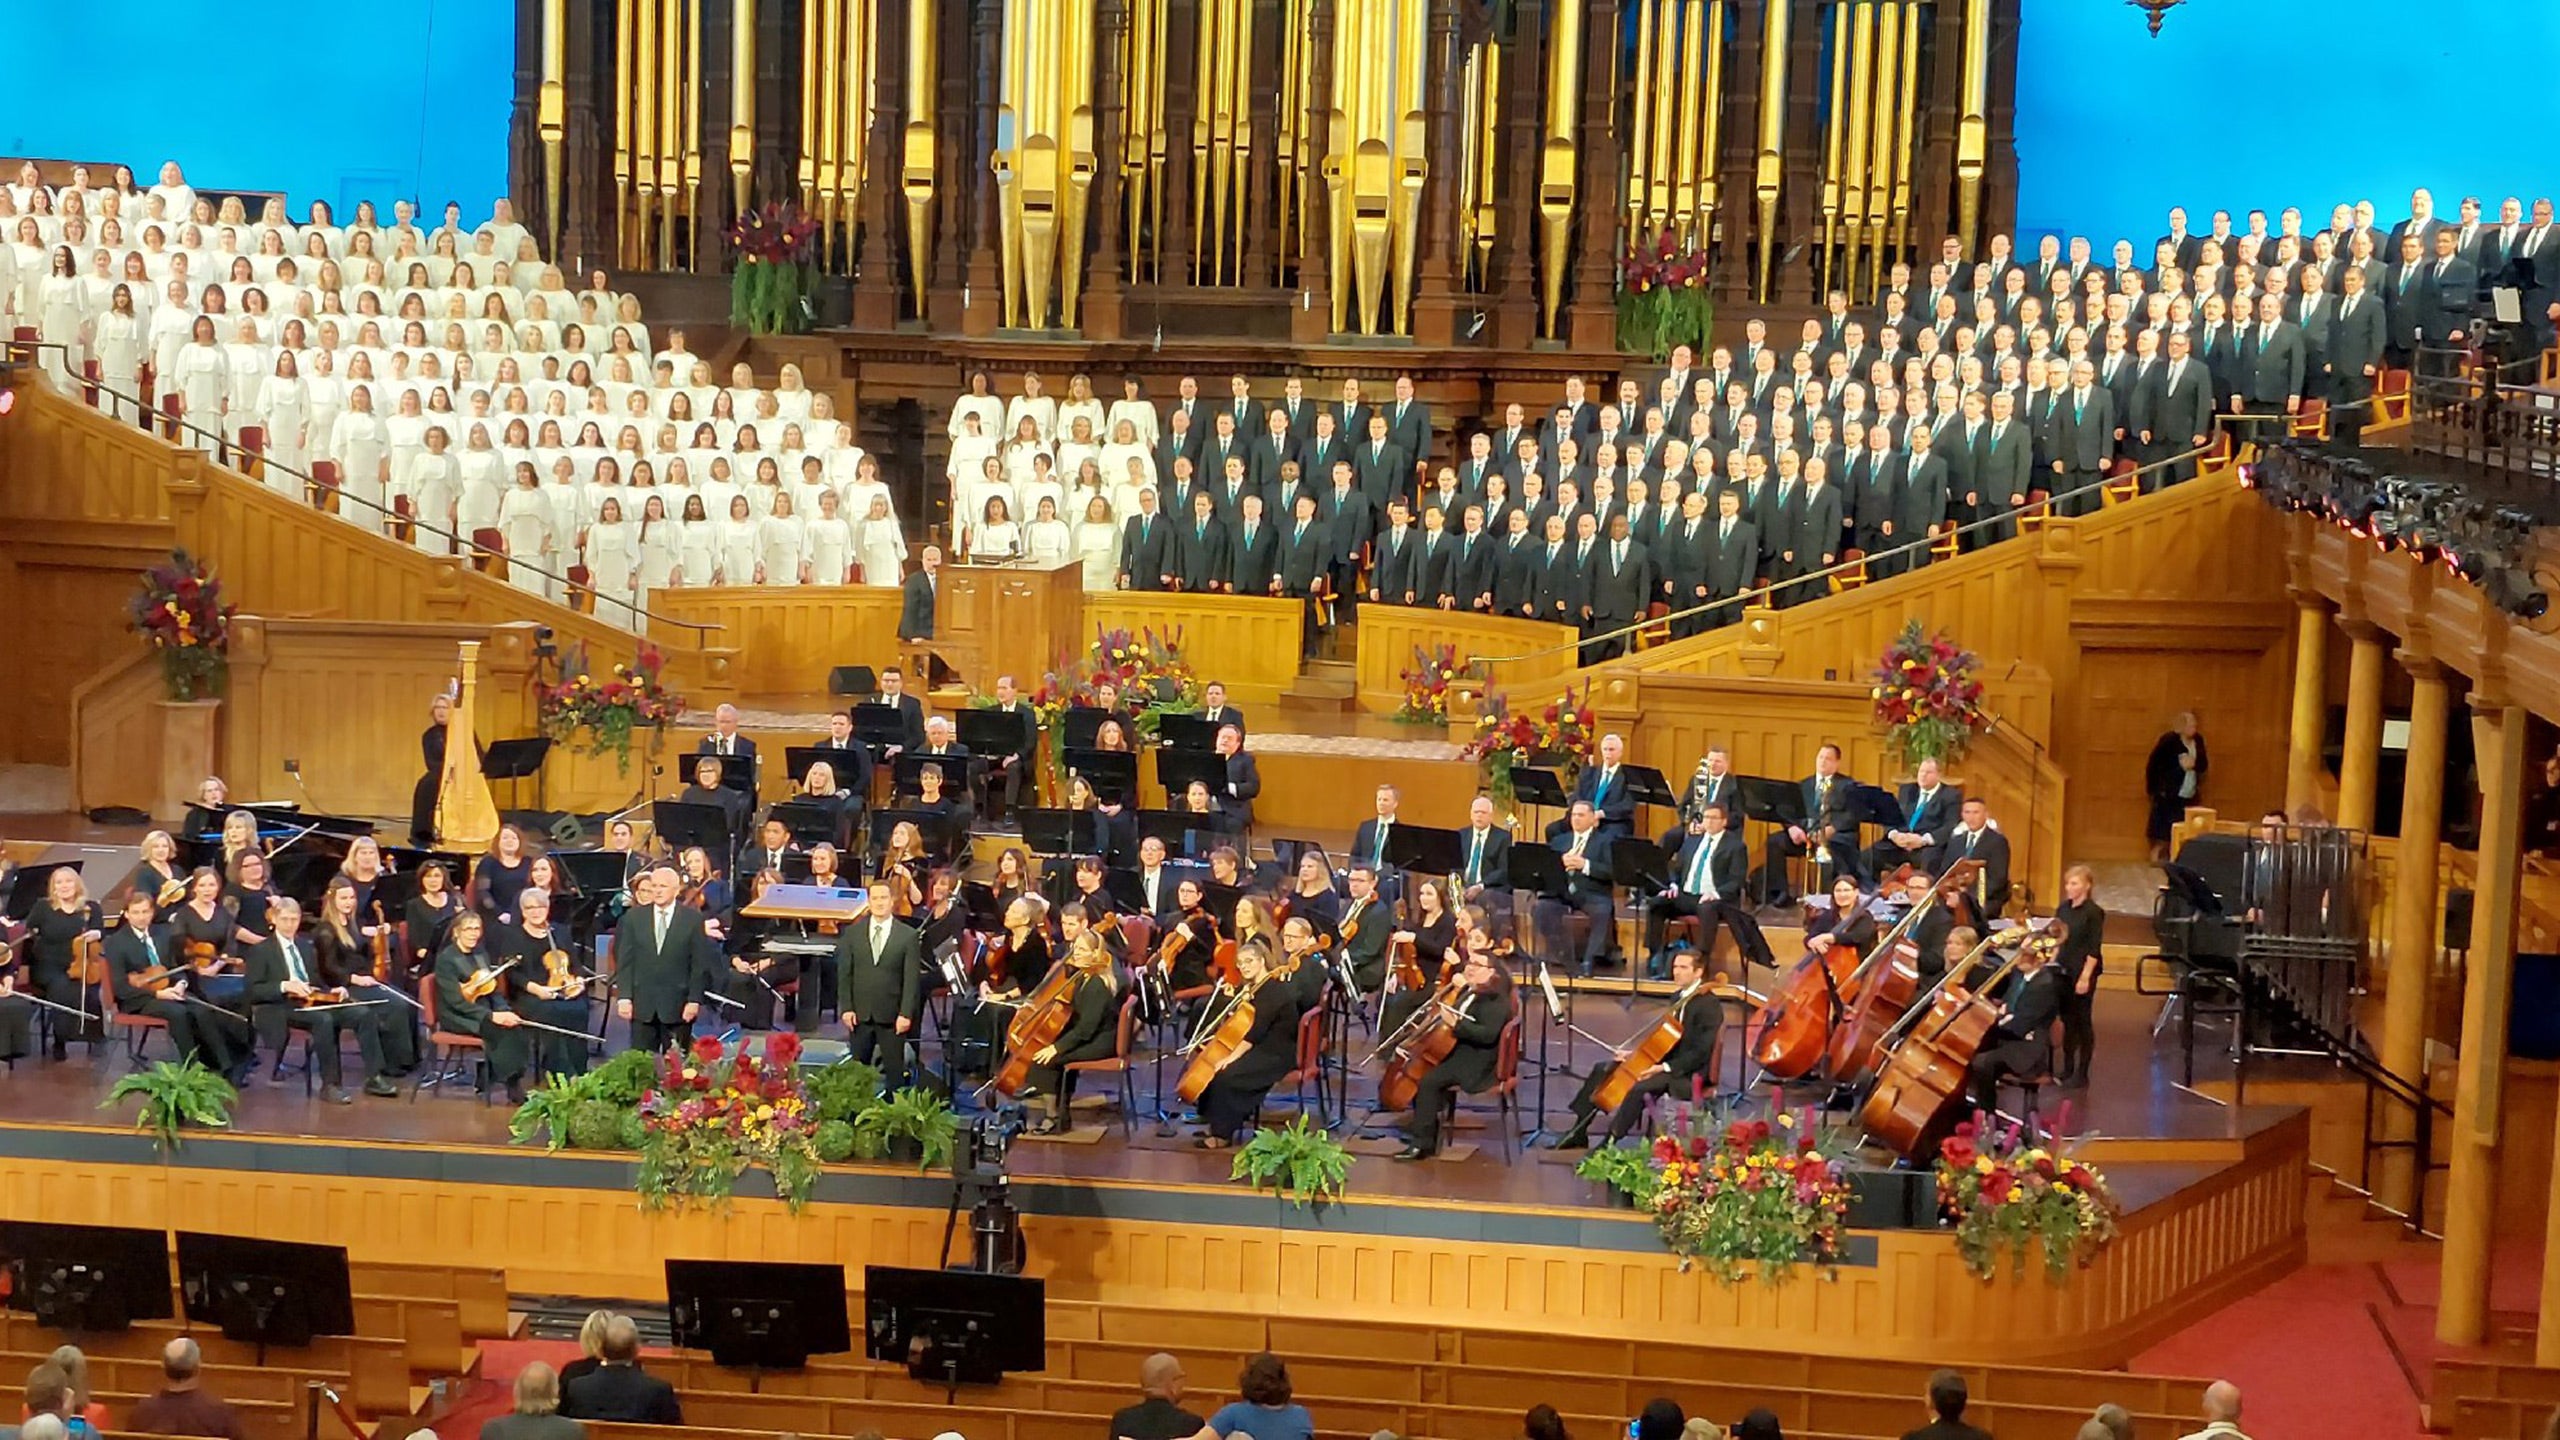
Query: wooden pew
429, 1331
374, 1369
479, 1293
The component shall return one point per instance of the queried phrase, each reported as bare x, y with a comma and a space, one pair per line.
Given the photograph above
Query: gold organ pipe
1470, 152
742, 97
1557, 155
1222, 141
1892, 135
1204, 72
1640, 125
829, 121
1137, 85
1241, 204
1488, 118
691, 78
1041, 162
643, 96
917, 181
1671, 120
1413, 158
1835, 138
1006, 160
1684, 155
670, 126
1912, 19
551, 111
1862, 97
1973, 129
1075, 99
1284, 137
1711, 131
813, 51
1770, 158
1335, 163
622, 107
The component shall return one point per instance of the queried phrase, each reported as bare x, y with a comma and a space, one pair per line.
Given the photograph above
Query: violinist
1013, 876
17, 1012
157, 875
428, 915
1484, 1007
1091, 1032
499, 880
364, 869
1701, 1020
466, 962
239, 837
880, 972
753, 976
1473, 935
343, 947
1193, 933
286, 993
703, 889
251, 890
1226, 867
546, 985
1433, 931
1270, 1051
950, 807
903, 865
54, 930
945, 920
204, 928
2021, 1040
1302, 969
1367, 926
1849, 923
140, 947
1310, 893
2078, 962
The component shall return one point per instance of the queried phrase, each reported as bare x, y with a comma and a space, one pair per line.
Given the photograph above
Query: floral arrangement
610, 708
768, 289
2005, 1194
1751, 1195
1427, 684
1662, 297
1564, 734
1928, 700
179, 613
1147, 667
712, 1114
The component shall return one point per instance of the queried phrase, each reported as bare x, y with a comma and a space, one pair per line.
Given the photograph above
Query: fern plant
176, 1095
915, 1115
1627, 1169
844, 1089
1300, 1161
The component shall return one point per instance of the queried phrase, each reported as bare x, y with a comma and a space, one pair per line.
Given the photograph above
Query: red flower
706, 1051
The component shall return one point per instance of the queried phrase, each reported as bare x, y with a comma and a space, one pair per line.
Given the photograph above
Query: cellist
1482, 1011
1235, 1097
1701, 1019
2021, 1040
1091, 1032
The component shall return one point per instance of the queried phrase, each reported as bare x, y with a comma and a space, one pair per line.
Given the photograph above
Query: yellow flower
1786, 1120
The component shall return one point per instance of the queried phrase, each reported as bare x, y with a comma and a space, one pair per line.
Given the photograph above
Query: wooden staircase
1327, 686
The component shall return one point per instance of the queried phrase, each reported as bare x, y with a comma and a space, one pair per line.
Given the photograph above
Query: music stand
1772, 802
2193, 888
1113, 774
992, 733
85, 1277
1639, 864
268, 1292
879, 726
1875, 805
1062, 832
956, 1326
1176, 769
682, 825
27, 888
1538, 868
1188, 733
1425, 848
1649, 787
1078, 725
1539, 789
810, 822
758, 1315
515, 759
852, 680
1128, 891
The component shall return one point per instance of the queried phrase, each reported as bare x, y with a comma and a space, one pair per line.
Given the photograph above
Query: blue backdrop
341, 102
2243, 104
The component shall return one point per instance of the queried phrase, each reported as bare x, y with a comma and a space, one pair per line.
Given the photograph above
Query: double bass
1802, 1017
1921, 1091
1657, 1040
1888, 984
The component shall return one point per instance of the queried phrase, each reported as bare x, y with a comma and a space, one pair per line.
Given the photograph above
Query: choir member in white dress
119, 339
830, 543
738, 544
1081, 404
659, 542
981, 402
1046, 540
995, 537
59, 307
361, 444
879, 546
1098, 543
435, 488
611, 565
201, 377
284, 402
782, 544
1134, 407
697, 544
525, 523
1031, 404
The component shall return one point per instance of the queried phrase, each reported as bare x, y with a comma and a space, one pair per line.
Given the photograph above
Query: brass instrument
466, 816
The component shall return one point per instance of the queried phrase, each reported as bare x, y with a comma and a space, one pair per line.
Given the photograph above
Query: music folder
1538, 868
1774, 802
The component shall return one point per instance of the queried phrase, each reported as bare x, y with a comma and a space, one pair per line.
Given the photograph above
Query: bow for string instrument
1797, 1025
1655, 1042
1922, 1089
1423, 1041
1219, 1044
88, 960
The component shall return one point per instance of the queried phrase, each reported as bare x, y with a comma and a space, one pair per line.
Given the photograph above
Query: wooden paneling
65, 462
2219, 1237
2134, 678
115, 734
1390, 634
788, 637
990, 620
63, 590
1250, 642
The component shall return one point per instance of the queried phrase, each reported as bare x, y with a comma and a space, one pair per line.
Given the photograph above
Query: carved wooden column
956, 195
525, 179
1799, 208
1435, 297
1736, 213
1105, 301
1515, 306
1933, 194
2000, 158
876, 265
586, 185
1313, 318
1255, 207
1181, 103
777, 95
1590, 318
984, 288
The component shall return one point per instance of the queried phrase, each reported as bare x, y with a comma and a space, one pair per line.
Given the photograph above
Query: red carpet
471, 1403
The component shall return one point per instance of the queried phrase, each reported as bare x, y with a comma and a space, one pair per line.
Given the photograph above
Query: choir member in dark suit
1253, 559
2356, 341
1200, 560
2182, 410
1145, 547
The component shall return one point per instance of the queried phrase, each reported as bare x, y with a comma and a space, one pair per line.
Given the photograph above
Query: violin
159, 980
1219, 1048
1044, 1015
381, 944
482, 983
172, 890
202, 956
1922, 1089
88, 960
557, 975
334, 995
1654, 1043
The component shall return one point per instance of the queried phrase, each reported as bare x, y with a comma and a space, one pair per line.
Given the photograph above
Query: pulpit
1012, 619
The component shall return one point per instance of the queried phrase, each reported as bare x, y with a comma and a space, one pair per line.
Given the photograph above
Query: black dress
422, 801
1236, 1095
427, 924
221, 930
499, 888
1092, 1033
2084, 929
50, 934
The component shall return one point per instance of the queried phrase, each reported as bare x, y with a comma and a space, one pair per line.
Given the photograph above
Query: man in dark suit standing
1408, 424
2085, 432
1305, 564
1253, 560
1384, 472
916, 605
2450, 291
2404, 303
1621, 585
1732, 561
880, 965
1395, 567
1920, 515
1199, 559
2182, 412
1929, 812
1146, 547
1274, 448
2356, 341
662, 957
2271, 370
1996, 483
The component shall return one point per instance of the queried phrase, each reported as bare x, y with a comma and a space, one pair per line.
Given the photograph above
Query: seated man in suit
1244, 776
1215, 709
1708, 875
1827, 828
1484, 851
1928, 815
1583, 849
618, 1389
1605, 786
1975, 839
1008, 768
849, 758
724, 738
893, 693
283, 973
196, 1032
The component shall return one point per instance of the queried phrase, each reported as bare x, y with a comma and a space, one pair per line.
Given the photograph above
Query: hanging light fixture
2157, 10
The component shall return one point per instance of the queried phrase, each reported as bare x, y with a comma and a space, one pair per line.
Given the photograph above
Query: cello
1920, 1093
1044, 1016
1422, 1043
1657, 1040
1217, 1049
1887, 984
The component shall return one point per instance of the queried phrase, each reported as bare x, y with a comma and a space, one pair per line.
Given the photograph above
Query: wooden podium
991, 620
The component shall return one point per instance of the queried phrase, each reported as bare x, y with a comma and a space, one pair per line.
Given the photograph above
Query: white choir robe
524, 518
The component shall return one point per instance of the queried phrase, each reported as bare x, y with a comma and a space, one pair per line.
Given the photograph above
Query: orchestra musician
286, 992
944, 922
157, 873
54, 929
1244, 774
1270, 1051
343, 946
662, 955
426, 917
1226, 867
1439, 936
818, 790
239, 837
1369, 841
706, 789
2021, 1040
1112, 736
1484, 1008
1714, 784
1929, 936
535, 989
140, 946
1605, 785
1582, 847
1155, 882
1826, 795
204, 817
724, 738
1094, 905
17, 1012
1193, 933
1708, 875
849, 759
1013, 876
1976, 839
772, 844
702, 887
203, 924
880, 970
1215, 709
1929, 811
1311, 894
1433, 928
251, 889
980, 1026
1302, 970
422, 797
1690, 1067
893, 693
951, 807
461, 963
1484, 851
2078, 962
1009, 765
903, 863
1851, 923
1365, 930
364, 869
1091, 1033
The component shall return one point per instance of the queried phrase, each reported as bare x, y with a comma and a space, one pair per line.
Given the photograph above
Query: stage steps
1325, 685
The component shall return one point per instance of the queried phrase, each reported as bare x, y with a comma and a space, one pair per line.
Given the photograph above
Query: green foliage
770, 297
844, 1089
835, 1141
545, 1114
622, 1080
915, 1115
1627, 1169
1297, 1160
1650, 322
629, 1133
176, 1095
594, 1125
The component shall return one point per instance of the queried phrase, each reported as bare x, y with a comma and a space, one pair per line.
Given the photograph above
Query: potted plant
913, 1123
1300, 1162
1662, 296
844, 1089
768, 291
1751, 1197
176, 1095
712, 1113
1625, 1171
1431, 683
609, 709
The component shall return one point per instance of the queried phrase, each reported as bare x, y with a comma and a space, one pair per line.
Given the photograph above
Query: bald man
1160, 1416
182, 1407
2221, 1413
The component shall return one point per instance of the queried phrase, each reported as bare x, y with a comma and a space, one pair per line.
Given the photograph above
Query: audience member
1160, 1416
590, 1347
1760, 1424
75, 1373
537, 1414
2221, 1413
1543, 1423
1946, 1407
1661, 1419
48, 1397
1266, 1412
2117, 1419
183, 1406
618, 1389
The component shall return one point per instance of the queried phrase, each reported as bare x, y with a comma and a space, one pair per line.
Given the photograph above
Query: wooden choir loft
1433, 174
